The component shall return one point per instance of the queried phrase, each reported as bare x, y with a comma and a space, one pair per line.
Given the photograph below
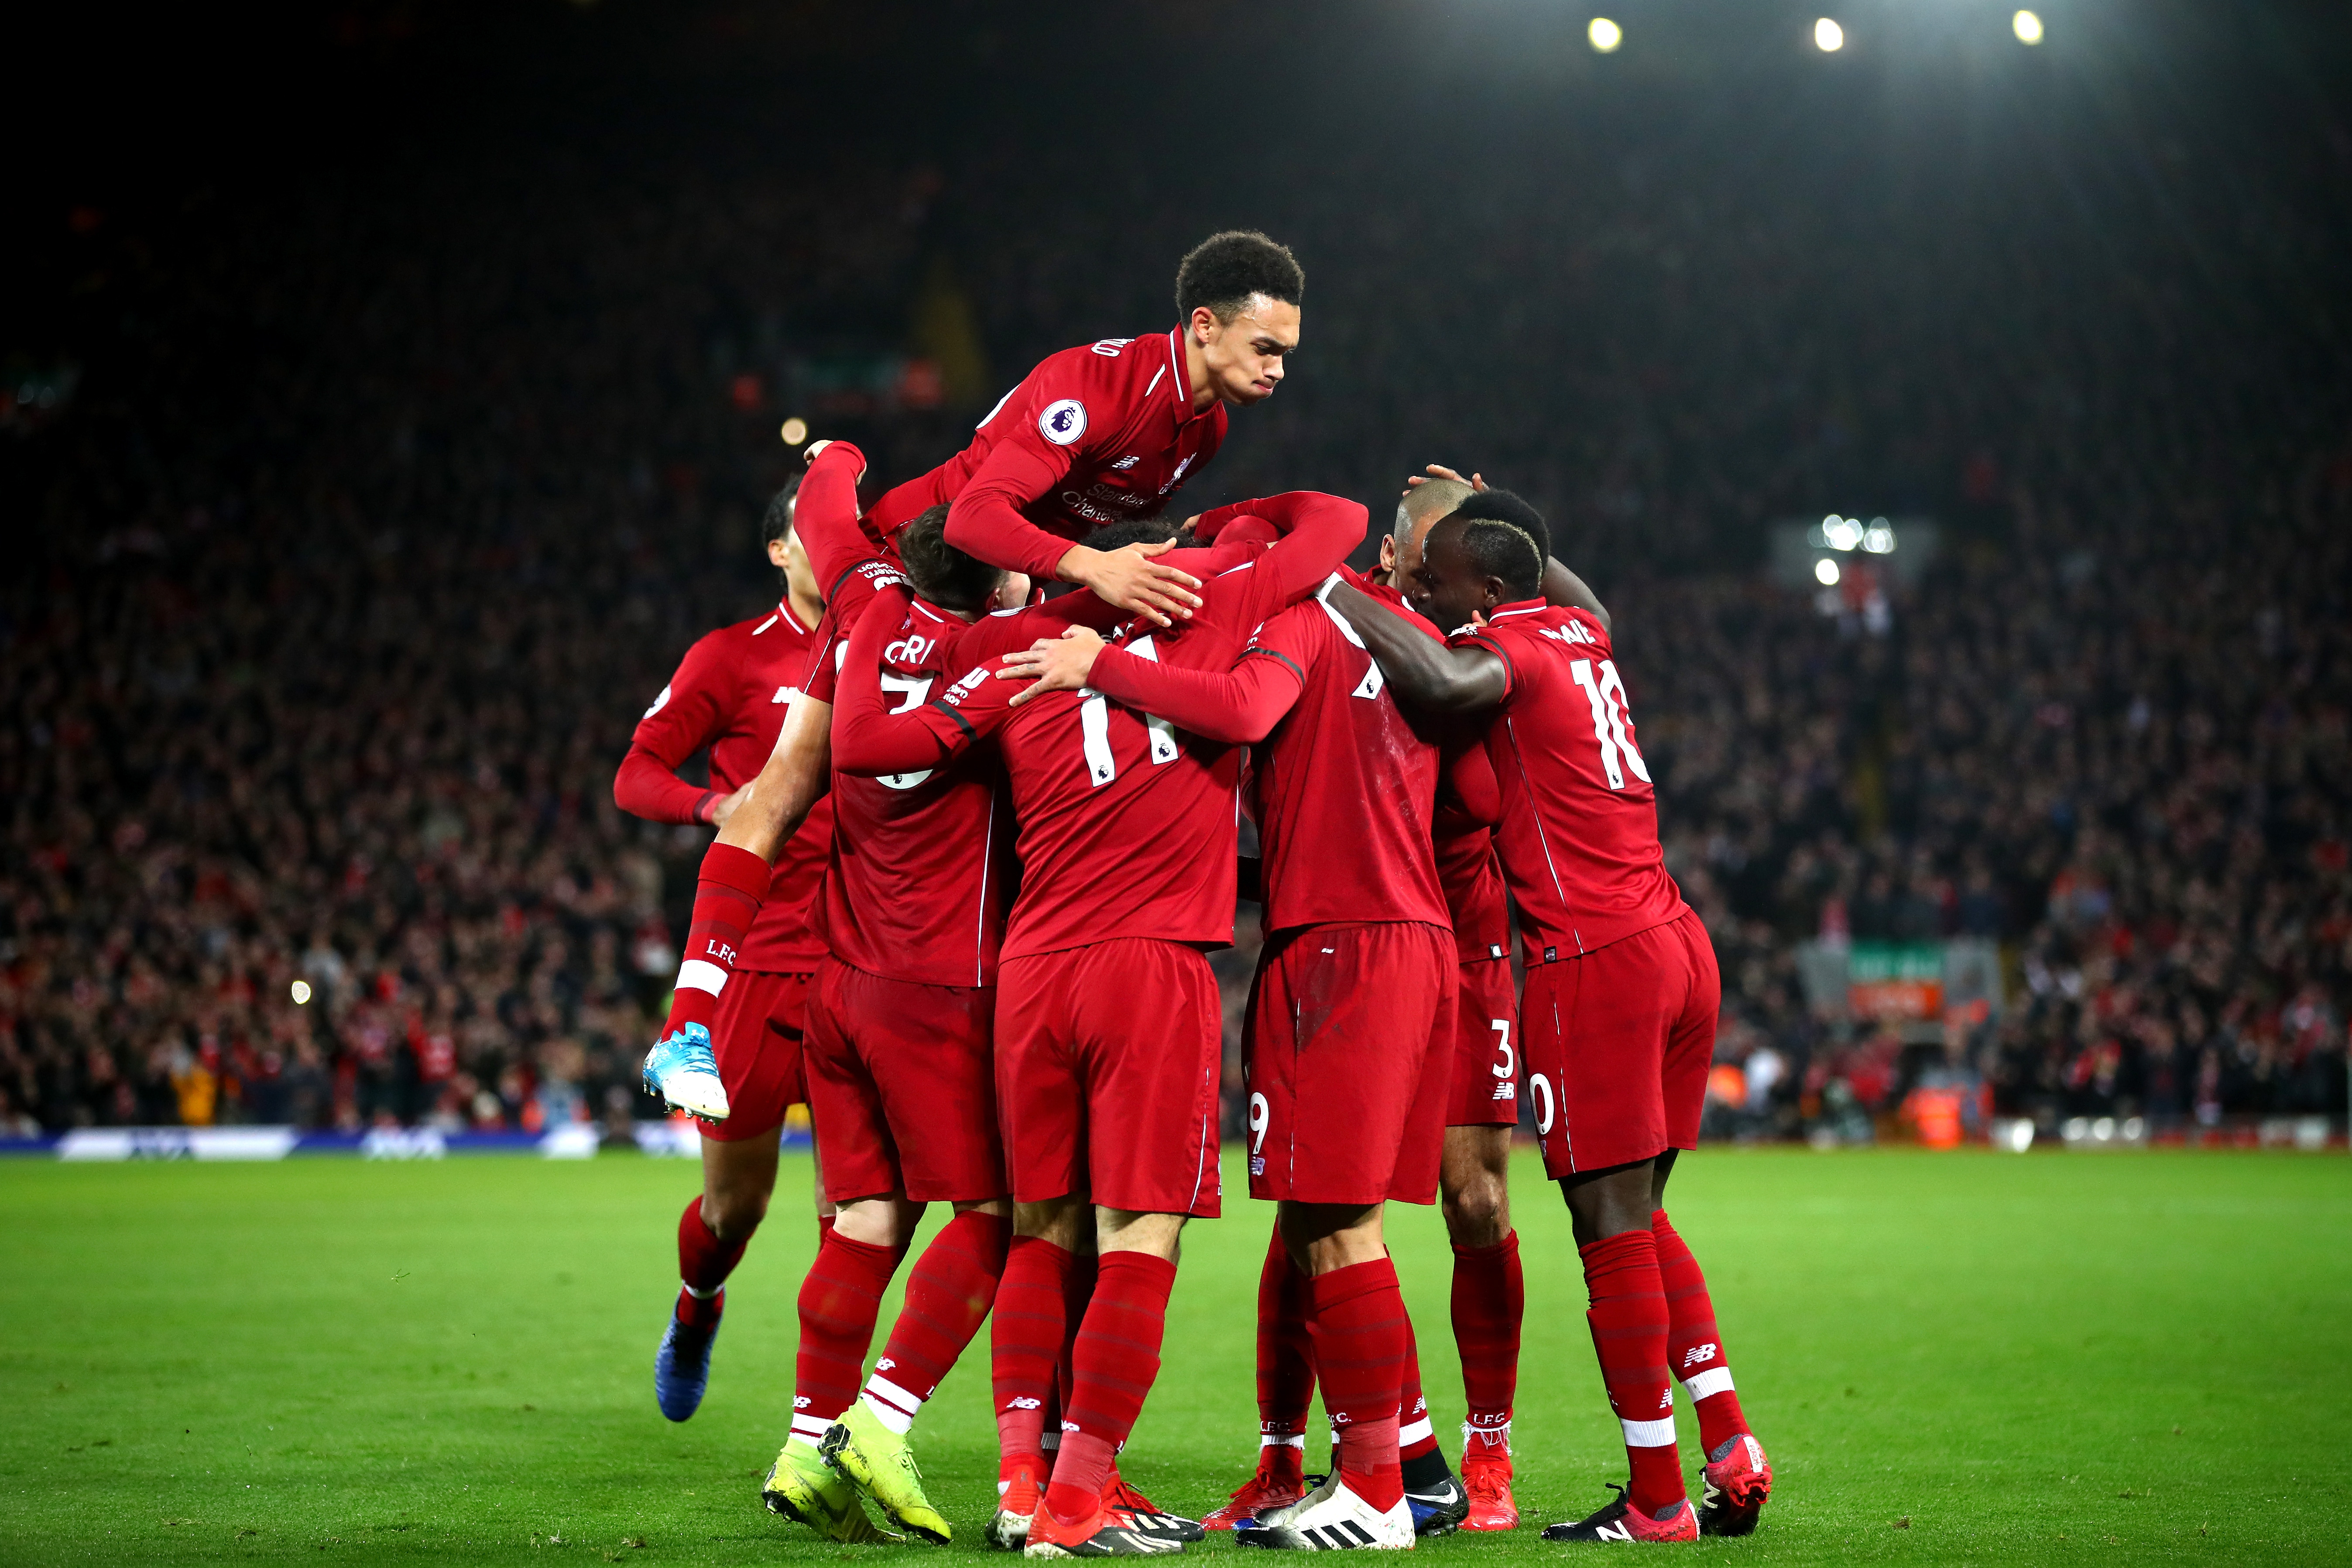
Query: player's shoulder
1108, 379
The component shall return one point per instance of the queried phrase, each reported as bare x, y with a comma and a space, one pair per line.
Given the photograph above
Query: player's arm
797, 775
1317, 531
826, 515
1423, 672
870, 740
1236, 706
682, 720
985, 520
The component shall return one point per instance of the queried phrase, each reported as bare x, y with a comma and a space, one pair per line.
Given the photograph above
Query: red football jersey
1579, 818
916, 887
1342, 786
1462, 830
1125, 825
1094, 435
730, 693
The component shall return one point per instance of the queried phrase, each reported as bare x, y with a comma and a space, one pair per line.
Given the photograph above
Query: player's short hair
1499, 550
1157, 529
1438, 498
1224, 270
1503, 506
940, 573
778, 523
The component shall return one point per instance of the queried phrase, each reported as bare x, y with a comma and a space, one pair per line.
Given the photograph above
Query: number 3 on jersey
1610, 717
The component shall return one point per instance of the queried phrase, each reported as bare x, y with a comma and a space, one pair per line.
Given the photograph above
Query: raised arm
985, 520
798, 774
826, 515
1425, 673
1564, 589
1236, 706
1317, 531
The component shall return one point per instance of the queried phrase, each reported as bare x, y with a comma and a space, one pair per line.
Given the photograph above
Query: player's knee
734, 1213
1477, 1210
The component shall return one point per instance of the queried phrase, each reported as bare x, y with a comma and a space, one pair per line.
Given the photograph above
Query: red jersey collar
1518, 607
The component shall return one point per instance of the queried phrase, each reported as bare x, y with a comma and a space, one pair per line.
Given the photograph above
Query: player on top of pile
1107, 431
1621, 994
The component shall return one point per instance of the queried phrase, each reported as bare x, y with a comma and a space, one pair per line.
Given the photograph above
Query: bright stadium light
302, 992
795, 431
1878, 538
1606, 34
1828, 36
2027, 26
1825, 572
1840, 532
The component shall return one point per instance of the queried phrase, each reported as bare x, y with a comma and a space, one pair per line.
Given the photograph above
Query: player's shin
1694, 1345
1286, 1363
1488, 1302
703, 1264
948, 1293
1359, 1337
1629, 1322
1025, 1345
839, 1302
1117, 1361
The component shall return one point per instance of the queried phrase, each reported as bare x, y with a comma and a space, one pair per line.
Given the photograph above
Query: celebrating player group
1421, 747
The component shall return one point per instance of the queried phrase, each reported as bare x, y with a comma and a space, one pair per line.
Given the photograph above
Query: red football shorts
755, 1033
902, 1088
1346, 1104
1484, 1060
1618, 1043
1107, 1058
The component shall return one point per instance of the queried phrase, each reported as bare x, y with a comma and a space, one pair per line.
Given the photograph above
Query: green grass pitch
1957, 1358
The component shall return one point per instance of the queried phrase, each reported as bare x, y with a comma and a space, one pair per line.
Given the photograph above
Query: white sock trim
889, 1415
1416, 1432
1491, 1436
1281, 1440
701, 974
807, 1429
882, 1386
1658, 1434
1710, 1382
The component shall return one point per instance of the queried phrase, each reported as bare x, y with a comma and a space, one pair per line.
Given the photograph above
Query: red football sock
1490, 1296
1415, 1435
1025, 1342
1118, 1358
839, 1302
1359, 1345
952, 1288
1694, 1347
727, 900
703, 1264
1286, 1359
1628, 1319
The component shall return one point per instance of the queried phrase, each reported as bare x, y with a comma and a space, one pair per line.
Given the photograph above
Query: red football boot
1279, 1483
1738, 1478
1620, 1521
1020, 1489
1487, 1478
1121, 1499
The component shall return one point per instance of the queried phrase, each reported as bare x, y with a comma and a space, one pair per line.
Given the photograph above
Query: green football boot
880, 1463
803, 1487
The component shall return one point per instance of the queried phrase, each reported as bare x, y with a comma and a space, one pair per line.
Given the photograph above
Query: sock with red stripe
839, 1302
1629, 1323
703, 1264
1417, 1439
1359, 1329
1490, 1296
1694, 1346
1117, 1360
727, 900
1286, 1359
949, 1292
1025, 1342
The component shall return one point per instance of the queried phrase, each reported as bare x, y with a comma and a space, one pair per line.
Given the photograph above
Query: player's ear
1204, 323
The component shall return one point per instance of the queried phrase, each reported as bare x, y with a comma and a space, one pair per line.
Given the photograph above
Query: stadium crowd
366, 538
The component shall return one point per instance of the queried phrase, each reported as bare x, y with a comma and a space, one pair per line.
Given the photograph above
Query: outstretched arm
1422, 671
826, 515
985, 520
798, 773
870, 740
1235, 706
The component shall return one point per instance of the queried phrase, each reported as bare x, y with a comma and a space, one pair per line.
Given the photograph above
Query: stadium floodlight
1840, 532
1878, 538
795, 431
1828, 36
1825, 572
2027, 26
1606, 34
302, 992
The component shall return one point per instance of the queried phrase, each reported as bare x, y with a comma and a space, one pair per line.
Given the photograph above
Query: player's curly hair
779, 520
940, 573
1224, 270
1503, 506
1157, 529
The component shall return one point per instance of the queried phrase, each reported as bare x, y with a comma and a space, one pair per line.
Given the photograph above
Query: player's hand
1054, 664
1128, 578
726, 805
808, 455
1440, 471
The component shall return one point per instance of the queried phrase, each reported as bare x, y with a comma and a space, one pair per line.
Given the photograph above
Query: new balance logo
1616, 1531
1698, 1354
787, 694
800, 1401
1023, 1403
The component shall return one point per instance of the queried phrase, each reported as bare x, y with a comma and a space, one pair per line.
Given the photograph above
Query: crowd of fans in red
375, 522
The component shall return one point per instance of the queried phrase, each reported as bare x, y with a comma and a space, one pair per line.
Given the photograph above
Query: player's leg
757, 1062
926, 1049
1738, 1475
1286, 1385
1596, 1030
1489, 1292
1143, 1032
